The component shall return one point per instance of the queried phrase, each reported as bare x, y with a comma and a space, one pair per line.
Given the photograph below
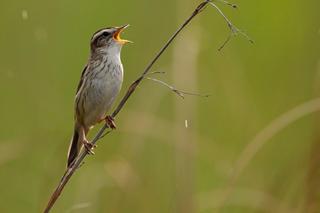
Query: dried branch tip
180, 93
228, 3
234, 31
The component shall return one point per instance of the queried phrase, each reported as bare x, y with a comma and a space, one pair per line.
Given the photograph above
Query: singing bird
99, 85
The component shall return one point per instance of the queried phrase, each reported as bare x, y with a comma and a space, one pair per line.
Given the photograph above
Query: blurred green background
153, 162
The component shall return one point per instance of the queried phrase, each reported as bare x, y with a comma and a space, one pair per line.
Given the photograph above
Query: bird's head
107, 39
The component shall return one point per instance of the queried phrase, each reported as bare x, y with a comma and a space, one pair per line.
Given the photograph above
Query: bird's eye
105, 34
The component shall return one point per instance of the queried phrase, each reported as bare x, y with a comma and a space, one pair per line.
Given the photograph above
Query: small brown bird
99, 85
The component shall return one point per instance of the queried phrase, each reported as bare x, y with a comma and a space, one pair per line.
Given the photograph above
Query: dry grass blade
264, 136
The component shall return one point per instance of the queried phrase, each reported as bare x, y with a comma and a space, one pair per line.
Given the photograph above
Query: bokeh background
252, 146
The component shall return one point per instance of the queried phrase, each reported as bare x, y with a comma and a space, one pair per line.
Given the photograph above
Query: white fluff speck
186, 123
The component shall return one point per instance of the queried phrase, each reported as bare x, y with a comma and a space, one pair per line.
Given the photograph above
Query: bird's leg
87, 145
110, 121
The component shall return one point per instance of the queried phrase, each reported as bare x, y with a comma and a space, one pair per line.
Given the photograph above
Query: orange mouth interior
117, 37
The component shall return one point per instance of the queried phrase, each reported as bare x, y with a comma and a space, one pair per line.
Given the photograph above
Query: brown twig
180, 93
78, 161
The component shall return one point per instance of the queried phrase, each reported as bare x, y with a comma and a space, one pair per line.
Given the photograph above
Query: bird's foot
89, 147
110, 122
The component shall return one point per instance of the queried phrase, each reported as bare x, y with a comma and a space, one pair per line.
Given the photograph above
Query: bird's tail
74, 147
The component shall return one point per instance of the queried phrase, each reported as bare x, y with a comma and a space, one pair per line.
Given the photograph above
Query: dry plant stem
78, 161
70, 171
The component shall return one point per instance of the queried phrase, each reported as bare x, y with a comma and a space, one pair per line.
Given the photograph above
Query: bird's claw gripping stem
110, 122
89, 147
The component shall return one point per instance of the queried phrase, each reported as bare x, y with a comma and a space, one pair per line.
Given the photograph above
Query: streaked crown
108, 36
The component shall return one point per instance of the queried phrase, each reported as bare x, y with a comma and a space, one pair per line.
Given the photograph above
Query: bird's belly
101, 94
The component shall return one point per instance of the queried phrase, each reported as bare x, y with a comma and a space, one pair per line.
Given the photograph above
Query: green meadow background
252, 146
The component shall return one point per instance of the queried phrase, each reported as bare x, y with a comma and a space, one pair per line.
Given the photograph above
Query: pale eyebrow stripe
99, 33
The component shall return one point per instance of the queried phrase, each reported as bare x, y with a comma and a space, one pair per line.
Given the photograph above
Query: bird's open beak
116, 35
